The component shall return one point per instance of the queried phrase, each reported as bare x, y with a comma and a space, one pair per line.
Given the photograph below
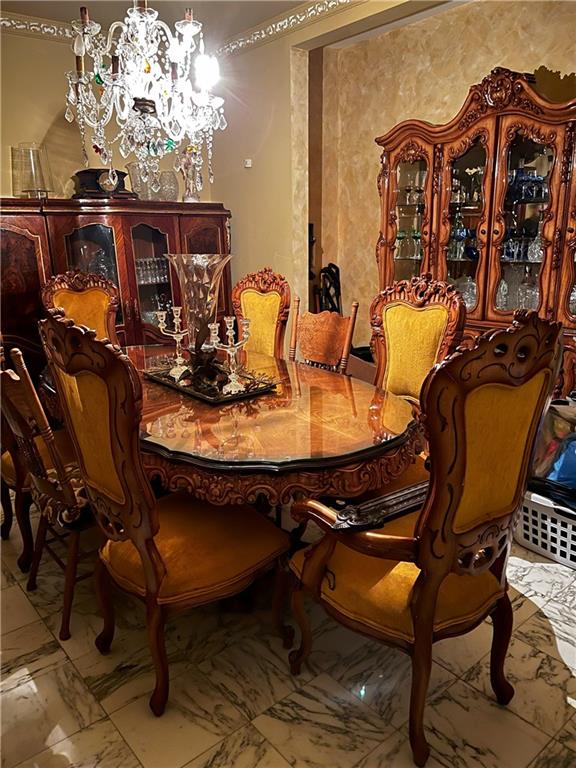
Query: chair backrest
482, 408
26, 420
87, 299
101, 397
264, 298
415, 324
324, 339
329, 294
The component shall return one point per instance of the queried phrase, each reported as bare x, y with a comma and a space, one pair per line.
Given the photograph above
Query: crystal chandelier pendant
138, 94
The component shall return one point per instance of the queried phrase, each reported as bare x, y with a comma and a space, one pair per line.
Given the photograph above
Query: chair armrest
370, 543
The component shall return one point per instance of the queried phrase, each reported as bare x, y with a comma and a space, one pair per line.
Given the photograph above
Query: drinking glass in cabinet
502, 295
528, 292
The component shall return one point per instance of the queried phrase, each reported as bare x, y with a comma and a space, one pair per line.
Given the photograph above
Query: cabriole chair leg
104, 594
22, 504
421, 667
6, 501
298, 657
501, 632
38, 550
157, 642
69, 583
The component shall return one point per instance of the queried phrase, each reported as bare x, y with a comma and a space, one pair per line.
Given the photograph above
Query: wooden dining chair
324, 339
52, 476
440, 571
264, 298
174, 553
415, 323
86, 298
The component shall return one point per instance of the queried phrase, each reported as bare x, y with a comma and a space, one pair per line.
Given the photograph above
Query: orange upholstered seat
197, 548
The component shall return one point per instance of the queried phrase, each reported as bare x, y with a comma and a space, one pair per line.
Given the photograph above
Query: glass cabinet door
410, 217
462, 232
153, 278
526, 208
92, 248
567, 277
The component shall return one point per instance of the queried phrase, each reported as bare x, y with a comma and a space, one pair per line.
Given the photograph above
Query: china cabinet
488, 203
123, 240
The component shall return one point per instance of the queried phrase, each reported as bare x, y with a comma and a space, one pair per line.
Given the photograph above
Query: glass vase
199, 275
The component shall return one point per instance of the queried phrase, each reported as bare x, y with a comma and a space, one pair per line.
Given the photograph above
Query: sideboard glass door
91, 248
153, 279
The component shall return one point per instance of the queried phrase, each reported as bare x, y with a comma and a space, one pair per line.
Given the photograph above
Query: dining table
318, 433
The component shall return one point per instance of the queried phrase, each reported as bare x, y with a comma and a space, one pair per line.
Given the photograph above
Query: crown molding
30, 26
305, 14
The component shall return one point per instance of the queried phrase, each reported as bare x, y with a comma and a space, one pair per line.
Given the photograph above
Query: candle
188, 16
84, 17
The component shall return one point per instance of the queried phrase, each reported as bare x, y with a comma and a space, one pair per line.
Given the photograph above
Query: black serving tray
162, 376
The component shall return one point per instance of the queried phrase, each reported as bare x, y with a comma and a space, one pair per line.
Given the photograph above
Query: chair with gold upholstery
415, 324
174, 553
440, 571
264, 298
87, 299
51, 474
324, 339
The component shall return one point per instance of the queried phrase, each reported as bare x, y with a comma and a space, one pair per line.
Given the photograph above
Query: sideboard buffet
123, 240
488, 202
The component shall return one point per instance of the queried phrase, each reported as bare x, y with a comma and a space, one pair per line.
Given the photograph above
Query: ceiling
222, 19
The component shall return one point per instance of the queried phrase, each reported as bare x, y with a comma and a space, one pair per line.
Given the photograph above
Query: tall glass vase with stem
199, 275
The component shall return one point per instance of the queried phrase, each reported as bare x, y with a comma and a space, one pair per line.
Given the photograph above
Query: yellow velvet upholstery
413, 336
262, 311
88, 404
204, 549
492, 470
378, 592
63, 446
87, 308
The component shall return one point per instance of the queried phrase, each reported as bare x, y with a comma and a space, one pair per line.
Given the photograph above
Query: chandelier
139, 93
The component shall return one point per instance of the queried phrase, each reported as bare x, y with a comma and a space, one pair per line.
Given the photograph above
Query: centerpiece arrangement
204, 374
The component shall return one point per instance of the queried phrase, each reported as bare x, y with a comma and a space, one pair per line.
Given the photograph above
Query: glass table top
313, 418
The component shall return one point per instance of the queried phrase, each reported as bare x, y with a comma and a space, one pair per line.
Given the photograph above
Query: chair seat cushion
208, 551
377, 592
63, 446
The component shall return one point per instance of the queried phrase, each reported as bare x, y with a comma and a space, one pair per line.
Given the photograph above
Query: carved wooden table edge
347, 481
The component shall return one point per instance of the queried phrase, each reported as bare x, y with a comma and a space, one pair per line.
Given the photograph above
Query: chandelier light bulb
207, 71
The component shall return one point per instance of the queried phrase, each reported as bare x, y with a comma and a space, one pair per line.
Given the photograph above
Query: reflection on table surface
312, 414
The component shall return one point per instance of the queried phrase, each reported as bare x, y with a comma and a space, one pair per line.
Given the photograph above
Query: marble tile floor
234, 704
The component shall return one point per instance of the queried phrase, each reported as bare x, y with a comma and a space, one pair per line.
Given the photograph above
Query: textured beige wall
423, 71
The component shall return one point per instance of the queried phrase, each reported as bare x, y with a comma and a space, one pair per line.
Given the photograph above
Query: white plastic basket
547, 528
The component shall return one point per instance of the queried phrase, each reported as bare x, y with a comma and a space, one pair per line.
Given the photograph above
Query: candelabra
177, 334
231, 348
